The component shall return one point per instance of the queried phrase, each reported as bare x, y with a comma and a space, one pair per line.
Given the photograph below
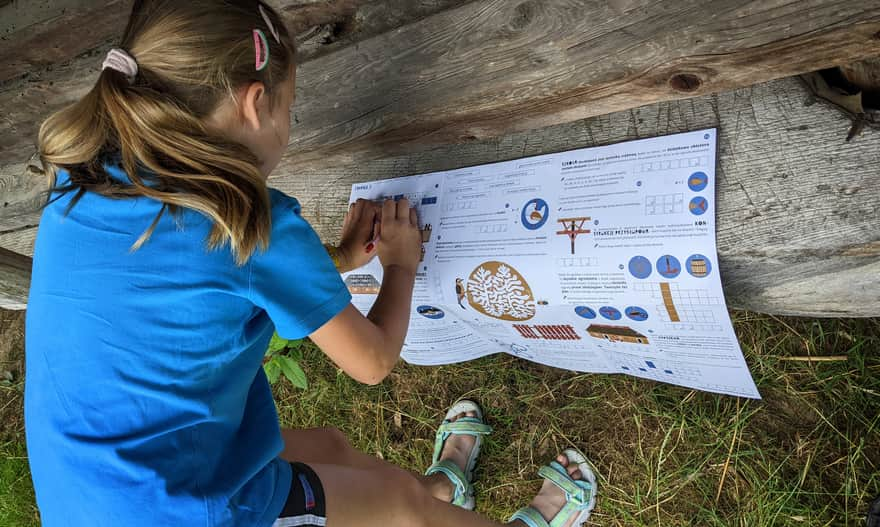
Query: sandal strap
529, 516
464, 426
455, 475
577, 492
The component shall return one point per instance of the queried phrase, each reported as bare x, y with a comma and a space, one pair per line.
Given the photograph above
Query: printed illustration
609, 312
664, 204
698, 181
668, 266
640, 267
434, 313
617, 334
362, 284
698, 266
547, 332
585, 312
572, 227
639, 314
660, 370
698, 206
666, 294
426, 233
460, 291
535, 214
497, 290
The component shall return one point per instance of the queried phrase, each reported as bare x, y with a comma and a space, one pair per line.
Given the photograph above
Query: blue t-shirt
145, 399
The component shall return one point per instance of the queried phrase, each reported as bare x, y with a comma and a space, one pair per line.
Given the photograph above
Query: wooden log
490, 67
51, 54
15, 279
797, 205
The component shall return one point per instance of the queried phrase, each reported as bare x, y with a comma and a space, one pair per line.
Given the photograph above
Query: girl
164, 263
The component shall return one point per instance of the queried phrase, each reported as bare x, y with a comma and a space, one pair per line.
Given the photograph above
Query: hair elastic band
261, 50
117, 59
269, 24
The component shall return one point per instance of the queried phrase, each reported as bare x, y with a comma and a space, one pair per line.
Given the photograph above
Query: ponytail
190, 55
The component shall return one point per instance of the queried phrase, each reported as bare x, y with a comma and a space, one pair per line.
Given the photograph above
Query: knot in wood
523, 14
685, 82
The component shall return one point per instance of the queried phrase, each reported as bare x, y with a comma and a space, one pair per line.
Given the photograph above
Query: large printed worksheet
596, 260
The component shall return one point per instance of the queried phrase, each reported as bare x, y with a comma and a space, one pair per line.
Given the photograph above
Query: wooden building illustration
616, 334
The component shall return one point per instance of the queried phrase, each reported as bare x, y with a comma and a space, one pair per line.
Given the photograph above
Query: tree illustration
501, 294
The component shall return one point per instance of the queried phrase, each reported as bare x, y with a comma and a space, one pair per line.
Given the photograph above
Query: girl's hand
400, 242
357, 246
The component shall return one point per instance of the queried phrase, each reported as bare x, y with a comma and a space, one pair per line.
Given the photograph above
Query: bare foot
550, 498
457, 449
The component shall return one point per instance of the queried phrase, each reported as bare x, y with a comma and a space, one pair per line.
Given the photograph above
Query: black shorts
305, 505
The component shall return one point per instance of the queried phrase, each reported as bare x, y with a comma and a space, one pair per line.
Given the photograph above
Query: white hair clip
268, 22
117, 59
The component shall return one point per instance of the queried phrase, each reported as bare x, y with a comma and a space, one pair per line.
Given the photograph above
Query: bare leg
363, 490
329, 446
370, 498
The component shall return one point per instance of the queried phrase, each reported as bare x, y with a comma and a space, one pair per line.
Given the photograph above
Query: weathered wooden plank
19, 241
22, 193
15, 279
798, 206
492, 67
50, 54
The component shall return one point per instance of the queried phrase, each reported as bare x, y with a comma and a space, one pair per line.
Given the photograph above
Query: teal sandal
461, 480
580, 495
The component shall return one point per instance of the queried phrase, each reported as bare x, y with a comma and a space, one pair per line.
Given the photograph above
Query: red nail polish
370, 246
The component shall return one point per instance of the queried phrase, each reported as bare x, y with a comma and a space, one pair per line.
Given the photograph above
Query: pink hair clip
261, 50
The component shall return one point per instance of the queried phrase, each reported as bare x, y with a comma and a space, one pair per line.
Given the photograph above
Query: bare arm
367, 348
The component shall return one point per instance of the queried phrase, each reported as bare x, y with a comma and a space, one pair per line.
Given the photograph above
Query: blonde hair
190, 55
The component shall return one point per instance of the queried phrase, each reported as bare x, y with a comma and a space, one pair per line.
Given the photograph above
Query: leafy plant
284, 356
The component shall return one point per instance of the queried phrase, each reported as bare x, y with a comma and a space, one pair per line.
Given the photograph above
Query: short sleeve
295, 280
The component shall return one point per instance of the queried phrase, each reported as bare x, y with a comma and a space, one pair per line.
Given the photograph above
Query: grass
808, 454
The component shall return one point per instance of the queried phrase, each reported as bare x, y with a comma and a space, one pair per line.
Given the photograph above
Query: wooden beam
15, 279
798, 206
493, 67
51, 54
22, 194
490, 67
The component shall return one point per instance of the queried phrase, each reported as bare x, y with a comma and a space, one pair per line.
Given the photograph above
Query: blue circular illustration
585, 312
698, 206
535, 214
668, 266
698, 181
609, 312
434, 313
640, 267
636, 313
698, 265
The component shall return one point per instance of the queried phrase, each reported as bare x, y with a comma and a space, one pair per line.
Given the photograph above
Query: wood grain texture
54, 59
492, 67
22, 194
797, 205
15, 279
797, 218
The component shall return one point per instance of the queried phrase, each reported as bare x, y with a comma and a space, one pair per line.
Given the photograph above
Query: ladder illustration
572, 227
